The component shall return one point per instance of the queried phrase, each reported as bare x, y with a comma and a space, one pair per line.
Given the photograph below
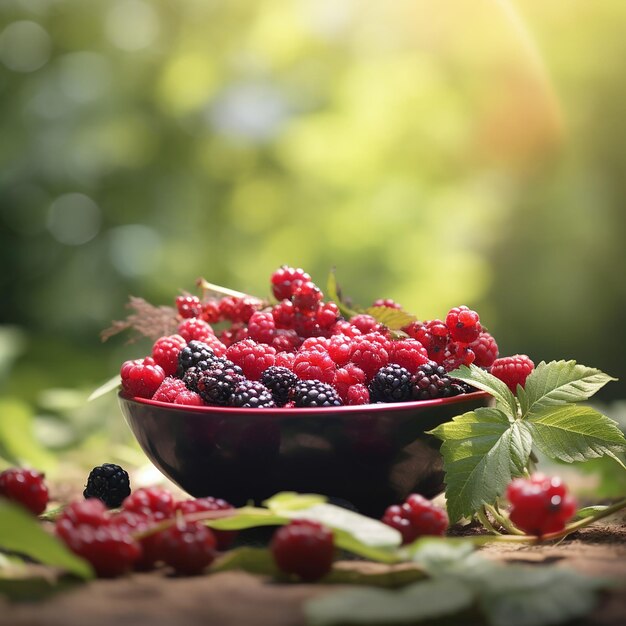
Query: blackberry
315, 393
280, 381
192, 375
109, 483
252, 394
217, 384
194, 352
391, 383
431, 381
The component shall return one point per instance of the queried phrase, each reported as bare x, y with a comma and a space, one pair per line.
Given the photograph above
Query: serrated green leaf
292, 501
522, 595
21, 533
571, 433
560, 382
421, 601
482, 451
393, 319
485, 381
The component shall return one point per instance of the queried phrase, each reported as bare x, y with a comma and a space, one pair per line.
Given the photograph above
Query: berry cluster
300, 352
416, 517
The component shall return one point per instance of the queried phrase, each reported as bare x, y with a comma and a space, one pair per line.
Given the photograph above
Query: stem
207, 286
503, 520
484, 520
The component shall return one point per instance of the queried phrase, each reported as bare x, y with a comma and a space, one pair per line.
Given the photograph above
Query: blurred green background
438, 152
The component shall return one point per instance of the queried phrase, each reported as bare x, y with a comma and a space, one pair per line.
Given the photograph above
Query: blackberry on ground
218, 383
108, 482
431, 381
192, 354
252, 394
280, 381
391, 383
315, 393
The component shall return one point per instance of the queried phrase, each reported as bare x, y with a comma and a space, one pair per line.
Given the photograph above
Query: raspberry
175, 391
130, 522
217, 385
286, 340
261, 327
343, 327
253, 395
315, 393
391, 383
188, 547
307, 326
193, 353
463, 324
109, 483
327, 314
390, 304
283, 314
195, 328
339, 349
346, 377
431, 381
280, 381
224, 538
415, 518
409, 353
306, 296
365, 323
485, 348
513, 370
141, 378
165, 353
91, 512
285, 279
149, 501
457, 354
245, 308
433, 335
111, 551
317, 344
285, 359
188, 306
26, 487
211, 312
304, 548
228, 308
369, 355
314, 365
357, 394
252, 357
540, 505
232, 335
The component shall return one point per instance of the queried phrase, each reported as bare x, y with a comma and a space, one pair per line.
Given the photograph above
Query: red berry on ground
189, 547
224, 538
252, 357
150, 500
485, 348
409, 353
416, 517
314, 365
165, 353
141, 377
285, 279
540, 505
188, 306
304, 548
513, 370
463, 324
26, 487
89, 512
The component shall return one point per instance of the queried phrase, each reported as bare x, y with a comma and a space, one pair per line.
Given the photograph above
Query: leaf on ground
20, 532
247, 517
420, 601
571, 433
482, 451
485, 381
560, 382
247, 559
437, 554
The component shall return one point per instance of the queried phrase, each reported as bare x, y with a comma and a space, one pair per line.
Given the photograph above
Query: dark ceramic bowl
370, 456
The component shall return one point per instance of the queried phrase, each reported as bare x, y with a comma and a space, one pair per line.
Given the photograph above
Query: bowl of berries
242, 398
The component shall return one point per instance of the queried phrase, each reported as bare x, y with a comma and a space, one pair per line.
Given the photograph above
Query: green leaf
576, 433
292, 501
521, 595
438, 555
590, 511
247, 517
17, 438
247, 559
333, 291
482, 450
393, 319
364, 530
421, 601
20, 532
559, 382
485, 381
104, 388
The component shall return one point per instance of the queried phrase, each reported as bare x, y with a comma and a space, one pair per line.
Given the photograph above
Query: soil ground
235, 598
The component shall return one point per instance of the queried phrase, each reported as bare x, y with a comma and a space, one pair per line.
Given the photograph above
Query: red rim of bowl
326, 410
